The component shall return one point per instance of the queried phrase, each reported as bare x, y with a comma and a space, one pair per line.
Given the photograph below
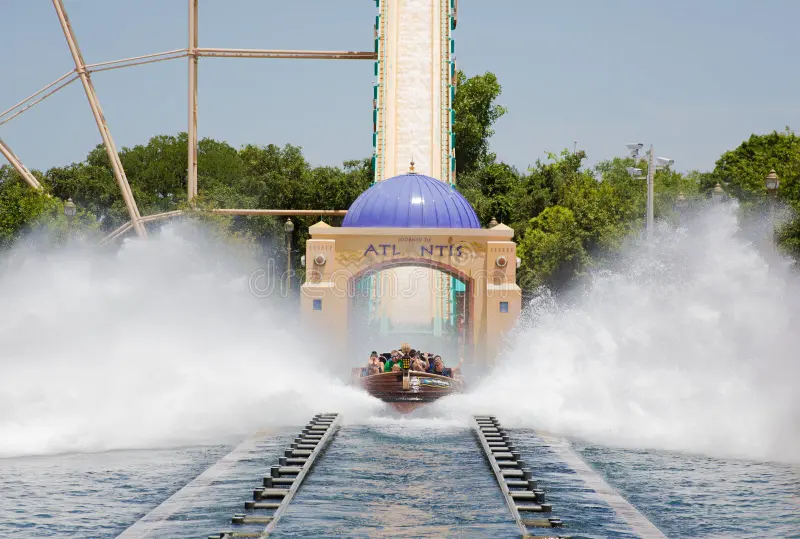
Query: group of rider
418, 362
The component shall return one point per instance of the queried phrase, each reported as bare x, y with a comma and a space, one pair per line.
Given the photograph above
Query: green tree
551, 250
742, 170
476, 112
23, 209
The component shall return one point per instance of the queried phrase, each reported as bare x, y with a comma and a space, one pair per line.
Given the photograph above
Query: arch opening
419, 301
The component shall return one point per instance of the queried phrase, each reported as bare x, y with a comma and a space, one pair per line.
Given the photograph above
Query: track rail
292, 469
515, 480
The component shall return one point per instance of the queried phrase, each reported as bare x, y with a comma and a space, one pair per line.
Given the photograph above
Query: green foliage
566, 218
742, 171
251, 177
476, 112
552, 249
23, 209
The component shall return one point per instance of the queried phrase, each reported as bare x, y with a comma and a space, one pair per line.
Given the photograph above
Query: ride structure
417, 221
84, 72
413, 217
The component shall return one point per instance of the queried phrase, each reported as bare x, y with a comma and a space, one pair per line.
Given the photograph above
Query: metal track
291, 470
514, 478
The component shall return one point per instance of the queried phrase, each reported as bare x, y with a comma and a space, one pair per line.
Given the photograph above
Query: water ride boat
407, 390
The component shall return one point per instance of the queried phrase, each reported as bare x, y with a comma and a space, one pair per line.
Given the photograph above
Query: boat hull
422, 388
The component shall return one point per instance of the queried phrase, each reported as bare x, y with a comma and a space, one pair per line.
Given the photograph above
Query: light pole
653, 163
288, 228
718, 193
772, 183
69, 211
681, 204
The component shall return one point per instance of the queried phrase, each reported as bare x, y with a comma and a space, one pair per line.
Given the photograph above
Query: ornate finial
493, 223
411, 167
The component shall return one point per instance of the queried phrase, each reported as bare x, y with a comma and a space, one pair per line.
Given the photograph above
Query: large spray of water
160, 343
690, 344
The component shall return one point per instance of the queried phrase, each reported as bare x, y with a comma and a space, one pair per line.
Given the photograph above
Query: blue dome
411, 201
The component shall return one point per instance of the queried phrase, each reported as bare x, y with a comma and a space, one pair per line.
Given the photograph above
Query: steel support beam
105, 133
18, 166
284, 213
137, 60
224, 211
191, 178
286, 54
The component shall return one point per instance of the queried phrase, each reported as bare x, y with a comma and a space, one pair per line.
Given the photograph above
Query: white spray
158, 344
692, 344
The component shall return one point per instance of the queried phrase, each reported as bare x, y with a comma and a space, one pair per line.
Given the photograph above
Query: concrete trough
512, 474
290, 471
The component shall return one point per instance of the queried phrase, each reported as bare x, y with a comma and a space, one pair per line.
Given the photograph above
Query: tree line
567, 217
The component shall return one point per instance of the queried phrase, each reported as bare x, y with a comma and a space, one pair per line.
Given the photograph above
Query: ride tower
415, 74
413, 119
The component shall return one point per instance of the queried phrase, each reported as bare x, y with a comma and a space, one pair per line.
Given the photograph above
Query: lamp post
653, 164
288, 228
718, 193
69, 212
681, 204
69, 209
772, 183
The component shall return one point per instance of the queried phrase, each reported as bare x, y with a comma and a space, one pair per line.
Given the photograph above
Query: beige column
191, 177
97, 112
21, 169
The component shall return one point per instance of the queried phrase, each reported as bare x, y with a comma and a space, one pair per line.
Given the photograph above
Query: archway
483, 259
424, 302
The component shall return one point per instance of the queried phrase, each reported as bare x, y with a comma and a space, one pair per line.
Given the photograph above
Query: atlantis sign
391, 249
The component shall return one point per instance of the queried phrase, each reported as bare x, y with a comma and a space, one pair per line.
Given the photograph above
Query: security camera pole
650, 180
653, 163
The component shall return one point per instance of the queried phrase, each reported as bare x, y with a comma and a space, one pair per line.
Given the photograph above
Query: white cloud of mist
161, 343
691, 345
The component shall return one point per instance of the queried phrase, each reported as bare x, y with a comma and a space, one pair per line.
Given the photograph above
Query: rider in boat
437, 367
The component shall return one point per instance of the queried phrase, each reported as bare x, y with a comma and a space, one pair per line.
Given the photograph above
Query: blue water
402, 479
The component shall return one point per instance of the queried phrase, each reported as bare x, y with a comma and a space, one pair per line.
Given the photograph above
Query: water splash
159, 344
690, 344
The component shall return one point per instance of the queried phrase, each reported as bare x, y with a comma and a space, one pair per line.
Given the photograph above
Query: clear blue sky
694, 77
